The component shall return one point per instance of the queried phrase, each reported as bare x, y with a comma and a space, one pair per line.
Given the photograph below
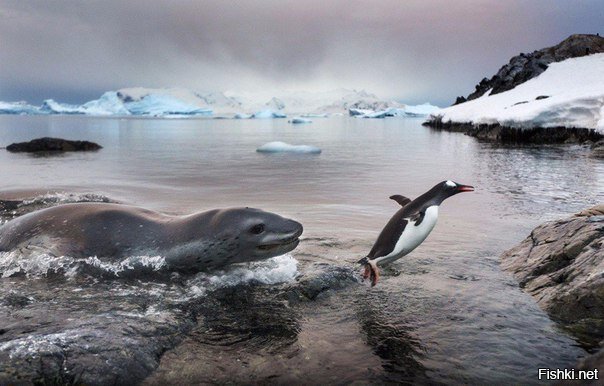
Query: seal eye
257, 229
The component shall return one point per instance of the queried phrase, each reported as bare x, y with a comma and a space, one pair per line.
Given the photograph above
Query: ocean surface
445, 313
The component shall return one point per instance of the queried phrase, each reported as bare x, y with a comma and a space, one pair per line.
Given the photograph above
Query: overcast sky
413, 51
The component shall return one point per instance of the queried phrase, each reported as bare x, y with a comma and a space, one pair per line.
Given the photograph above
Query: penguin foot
371, 271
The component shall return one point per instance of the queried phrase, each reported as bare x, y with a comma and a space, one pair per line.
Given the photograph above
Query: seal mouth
268, 247
289, 243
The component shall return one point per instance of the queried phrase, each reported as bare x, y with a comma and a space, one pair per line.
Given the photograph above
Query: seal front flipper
402, 200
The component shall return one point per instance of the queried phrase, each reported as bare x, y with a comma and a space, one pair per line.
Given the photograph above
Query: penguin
409, 227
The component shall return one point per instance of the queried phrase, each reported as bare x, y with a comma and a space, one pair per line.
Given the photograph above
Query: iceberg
51, 106
18, 108
299, 120
422, 110
282, 147
108, 104
353, 112
159, 105
265, 114
158, 102
325, 115
407, 111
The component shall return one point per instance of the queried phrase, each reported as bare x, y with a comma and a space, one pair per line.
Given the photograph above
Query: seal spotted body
196, 242
409, 227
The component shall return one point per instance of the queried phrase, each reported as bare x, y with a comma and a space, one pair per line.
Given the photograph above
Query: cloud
414, 50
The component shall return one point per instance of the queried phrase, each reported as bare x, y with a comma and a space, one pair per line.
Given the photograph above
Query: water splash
276, 270
280, 269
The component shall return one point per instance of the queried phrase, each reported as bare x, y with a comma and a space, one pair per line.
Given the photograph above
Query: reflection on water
445, 313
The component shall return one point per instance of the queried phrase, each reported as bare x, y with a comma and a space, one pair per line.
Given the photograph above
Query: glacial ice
159, 105
265, 114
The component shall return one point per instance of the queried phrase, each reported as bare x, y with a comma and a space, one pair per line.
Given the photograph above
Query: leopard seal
197, 242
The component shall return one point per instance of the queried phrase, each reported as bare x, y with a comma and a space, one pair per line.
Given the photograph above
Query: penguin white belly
412, 236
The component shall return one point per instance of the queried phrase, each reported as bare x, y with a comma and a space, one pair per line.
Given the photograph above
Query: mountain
527, 66
561, 102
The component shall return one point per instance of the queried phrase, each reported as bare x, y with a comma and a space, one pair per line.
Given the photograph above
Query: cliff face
527, 66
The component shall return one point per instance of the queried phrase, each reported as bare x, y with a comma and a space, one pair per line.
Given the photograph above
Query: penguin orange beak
465, 188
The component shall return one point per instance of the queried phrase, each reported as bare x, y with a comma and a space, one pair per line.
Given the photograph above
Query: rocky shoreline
506, 134
561, 264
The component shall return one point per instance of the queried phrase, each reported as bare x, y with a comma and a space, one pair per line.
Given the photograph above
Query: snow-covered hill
175, 101
568, 94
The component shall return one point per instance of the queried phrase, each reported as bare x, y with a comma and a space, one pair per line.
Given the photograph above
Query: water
445, 313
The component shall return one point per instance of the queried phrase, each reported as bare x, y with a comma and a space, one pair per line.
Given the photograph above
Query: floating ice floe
282, 147
243, 116
315, 115
299, 120
569, 93
264, 114
409, 111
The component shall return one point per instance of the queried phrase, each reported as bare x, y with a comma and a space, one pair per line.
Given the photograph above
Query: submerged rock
48, 144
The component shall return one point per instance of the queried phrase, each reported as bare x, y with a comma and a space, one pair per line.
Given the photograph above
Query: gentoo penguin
409, 227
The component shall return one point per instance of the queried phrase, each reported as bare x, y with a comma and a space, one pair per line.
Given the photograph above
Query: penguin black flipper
402, 200
418, 217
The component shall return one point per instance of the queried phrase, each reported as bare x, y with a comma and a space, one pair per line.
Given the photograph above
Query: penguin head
450, 188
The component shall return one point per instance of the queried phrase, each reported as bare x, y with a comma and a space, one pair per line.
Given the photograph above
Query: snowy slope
569, 93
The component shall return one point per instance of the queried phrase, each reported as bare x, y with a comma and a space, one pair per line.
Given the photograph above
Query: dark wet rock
505, 134
319, 280
597, 149
593, 362
527, 66
542, 97
48, 144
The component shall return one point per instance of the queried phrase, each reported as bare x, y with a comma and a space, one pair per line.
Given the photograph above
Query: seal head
239, 235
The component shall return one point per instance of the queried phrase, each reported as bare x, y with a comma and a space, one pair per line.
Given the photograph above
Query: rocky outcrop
48, 144
505, 134
561, 264
527, 66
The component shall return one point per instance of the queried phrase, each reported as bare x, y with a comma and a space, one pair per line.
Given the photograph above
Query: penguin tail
371, 271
